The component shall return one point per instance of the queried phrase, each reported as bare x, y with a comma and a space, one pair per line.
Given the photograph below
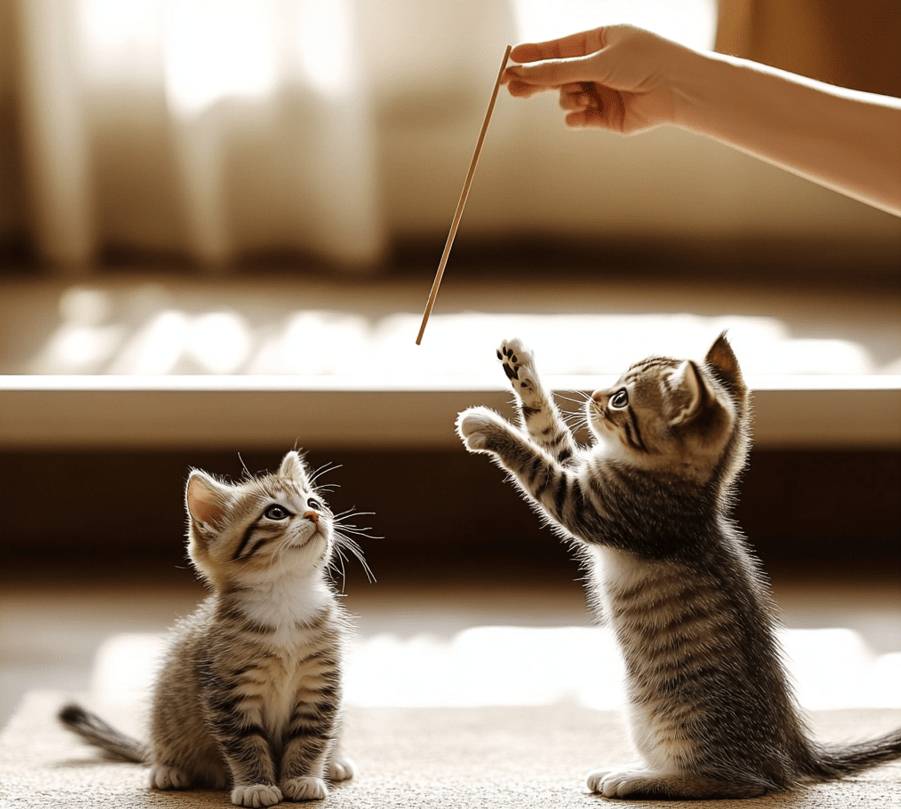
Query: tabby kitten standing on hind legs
249, 694
710, 708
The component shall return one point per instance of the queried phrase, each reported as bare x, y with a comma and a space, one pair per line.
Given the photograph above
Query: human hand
618, 78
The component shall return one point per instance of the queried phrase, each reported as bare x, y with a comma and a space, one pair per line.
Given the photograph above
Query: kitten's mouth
309, 538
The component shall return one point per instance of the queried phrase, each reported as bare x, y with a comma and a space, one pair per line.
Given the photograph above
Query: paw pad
508, 362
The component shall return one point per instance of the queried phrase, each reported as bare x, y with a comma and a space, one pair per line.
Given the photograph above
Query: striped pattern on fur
648, 506
249, 693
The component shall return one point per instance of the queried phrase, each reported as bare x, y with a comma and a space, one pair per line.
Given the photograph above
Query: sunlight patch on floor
508, 666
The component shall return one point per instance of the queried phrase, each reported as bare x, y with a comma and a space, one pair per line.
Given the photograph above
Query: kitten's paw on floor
594, 780
340, 768
304, 788
644, 783
162, 776
256, 795
626, 783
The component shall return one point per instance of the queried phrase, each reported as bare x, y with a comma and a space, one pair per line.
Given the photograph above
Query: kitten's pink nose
598, 396
312, 515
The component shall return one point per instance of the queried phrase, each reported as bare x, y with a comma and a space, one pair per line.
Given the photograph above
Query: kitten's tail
95, 731
838, 761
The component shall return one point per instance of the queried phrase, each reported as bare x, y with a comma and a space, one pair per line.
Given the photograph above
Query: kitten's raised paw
162, 776
305, 788
340, 768
256, 795
475, 426
516, 361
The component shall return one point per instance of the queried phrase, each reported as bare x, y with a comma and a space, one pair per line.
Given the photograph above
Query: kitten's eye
620, 399
314, 503
276, 513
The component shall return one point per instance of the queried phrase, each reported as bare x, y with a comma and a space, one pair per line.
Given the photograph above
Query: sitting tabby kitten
711, 711
249, 694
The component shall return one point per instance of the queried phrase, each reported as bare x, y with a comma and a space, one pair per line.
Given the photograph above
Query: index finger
567, 47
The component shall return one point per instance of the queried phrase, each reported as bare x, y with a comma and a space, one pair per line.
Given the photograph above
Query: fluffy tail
838, 761
95, 731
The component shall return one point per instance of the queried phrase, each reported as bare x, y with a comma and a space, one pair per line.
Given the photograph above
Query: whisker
351, 512
581, 394
344, 542
324, 470
247, 473
354, 529
361, 531
336, 563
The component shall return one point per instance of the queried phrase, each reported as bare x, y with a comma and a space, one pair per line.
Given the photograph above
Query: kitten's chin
601, 429
313, 549
316, 531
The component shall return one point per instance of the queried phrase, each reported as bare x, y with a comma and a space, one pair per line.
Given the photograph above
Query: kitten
249, 694
711, 710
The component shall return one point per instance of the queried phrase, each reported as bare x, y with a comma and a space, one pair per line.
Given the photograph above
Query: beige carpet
415, 757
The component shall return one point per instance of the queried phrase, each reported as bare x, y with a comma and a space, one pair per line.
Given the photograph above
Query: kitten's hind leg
162, 776
646, 783
340, 767
538, 414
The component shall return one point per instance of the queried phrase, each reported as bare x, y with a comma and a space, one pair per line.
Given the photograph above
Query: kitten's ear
688, 381
293, 467
207, 500
723, 363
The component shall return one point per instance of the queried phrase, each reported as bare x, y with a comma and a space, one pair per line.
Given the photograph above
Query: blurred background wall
213, 139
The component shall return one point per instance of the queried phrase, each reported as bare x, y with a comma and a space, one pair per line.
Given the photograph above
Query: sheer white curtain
332, 129
218, 129
212, 128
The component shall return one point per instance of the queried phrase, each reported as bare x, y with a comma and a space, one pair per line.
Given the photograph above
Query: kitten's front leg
538, 474
480, 429
538, 413
256, 795
244, 745
250, 761
307, 742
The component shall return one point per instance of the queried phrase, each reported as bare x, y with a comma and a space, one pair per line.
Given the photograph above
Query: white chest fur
287, 605
289, 659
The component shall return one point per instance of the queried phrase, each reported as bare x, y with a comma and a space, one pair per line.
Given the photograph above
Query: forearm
846, 140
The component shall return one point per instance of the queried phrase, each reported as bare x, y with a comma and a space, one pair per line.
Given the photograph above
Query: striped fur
249, 694
710, 708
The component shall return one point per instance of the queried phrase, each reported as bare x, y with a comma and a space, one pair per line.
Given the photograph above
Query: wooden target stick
460, 205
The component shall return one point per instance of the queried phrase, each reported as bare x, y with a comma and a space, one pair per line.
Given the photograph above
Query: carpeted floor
418, 757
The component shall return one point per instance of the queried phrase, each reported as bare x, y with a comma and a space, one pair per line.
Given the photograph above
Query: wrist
695, 83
